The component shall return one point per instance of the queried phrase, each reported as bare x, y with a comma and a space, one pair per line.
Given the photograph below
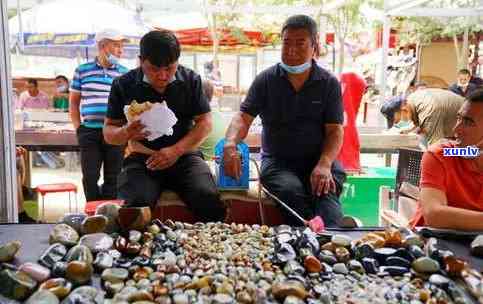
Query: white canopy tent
66, 28
417, 8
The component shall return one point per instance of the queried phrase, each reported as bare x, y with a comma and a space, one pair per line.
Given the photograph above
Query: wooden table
39, 140
369, 142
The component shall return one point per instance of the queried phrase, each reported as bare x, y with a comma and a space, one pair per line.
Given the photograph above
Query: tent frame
412, 8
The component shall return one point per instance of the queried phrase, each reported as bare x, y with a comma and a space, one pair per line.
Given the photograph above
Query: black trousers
290, 182
189, 177
96, 153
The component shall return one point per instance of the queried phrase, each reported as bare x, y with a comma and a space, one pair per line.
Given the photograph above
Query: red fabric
91, 207
457, 177
202, 37
353, 87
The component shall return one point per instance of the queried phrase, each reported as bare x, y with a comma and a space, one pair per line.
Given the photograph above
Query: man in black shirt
174, 161
301, 110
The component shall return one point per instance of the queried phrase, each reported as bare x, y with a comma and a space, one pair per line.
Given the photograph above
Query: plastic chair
56, 188
91, 207
407, 182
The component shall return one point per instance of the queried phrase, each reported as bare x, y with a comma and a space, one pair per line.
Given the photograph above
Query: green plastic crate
360, 197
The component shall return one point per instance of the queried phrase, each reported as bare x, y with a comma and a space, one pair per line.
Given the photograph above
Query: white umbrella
66, 28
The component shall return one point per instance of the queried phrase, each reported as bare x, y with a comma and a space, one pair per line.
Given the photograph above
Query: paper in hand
159, 120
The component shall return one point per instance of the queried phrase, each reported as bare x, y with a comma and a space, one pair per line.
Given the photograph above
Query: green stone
16, 285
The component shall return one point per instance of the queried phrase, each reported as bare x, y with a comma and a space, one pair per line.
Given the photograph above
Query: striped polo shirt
94, 82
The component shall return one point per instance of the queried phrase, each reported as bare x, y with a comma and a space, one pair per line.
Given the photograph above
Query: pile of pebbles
177, 263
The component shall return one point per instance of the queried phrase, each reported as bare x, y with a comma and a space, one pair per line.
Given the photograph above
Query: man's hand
134, 130
321, 180
20, 151
232, 161
162, 159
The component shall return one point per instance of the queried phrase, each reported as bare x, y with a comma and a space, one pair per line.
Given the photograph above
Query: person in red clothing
452, 187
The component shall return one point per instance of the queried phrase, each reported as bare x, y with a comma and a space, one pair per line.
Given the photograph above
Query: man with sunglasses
175, 161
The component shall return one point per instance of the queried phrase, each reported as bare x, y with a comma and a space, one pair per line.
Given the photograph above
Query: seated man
463, 87
451, 187
176, 163
33, 98
301, 109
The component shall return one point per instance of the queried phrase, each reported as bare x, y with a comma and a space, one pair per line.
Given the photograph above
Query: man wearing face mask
463, 86
451, 186
171, 161
88, 97
301, 109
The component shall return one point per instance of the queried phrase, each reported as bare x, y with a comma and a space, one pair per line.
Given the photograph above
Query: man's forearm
454, 218
194, 138
237, 130
332, 145
115, 135
74, 113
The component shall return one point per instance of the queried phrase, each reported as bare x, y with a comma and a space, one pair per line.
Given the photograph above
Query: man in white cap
88, 97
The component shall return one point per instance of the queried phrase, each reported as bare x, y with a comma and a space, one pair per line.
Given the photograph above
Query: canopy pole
20, 25
8, 170
386, 32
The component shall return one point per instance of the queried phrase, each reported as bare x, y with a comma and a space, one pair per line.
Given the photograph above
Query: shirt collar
114, 66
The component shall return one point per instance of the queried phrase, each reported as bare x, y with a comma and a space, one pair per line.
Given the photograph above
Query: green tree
422, 30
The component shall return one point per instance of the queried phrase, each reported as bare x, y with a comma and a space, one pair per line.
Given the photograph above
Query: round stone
53, 254
79, 272
134, 236
111, 212
94, 224
115, 275
439, 280
63, 234
16, 285
312, 264
425, 265
103, 261
85, 294
37, 272
341, 240
79, 253
9, 250
42, 296
222, 299
58, 286
340, 268
74, 220
97, 242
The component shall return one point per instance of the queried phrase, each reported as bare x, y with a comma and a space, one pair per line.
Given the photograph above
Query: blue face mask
112, 59
296, 69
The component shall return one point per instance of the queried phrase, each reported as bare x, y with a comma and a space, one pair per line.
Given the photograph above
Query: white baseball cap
110, 34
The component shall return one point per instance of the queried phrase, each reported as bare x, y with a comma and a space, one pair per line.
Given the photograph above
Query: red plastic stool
91, 206
56, 188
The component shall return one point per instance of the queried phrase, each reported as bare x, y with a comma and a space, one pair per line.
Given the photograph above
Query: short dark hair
464, 72
61, 77
208, 88
302, 22
33, 81
476, 96
160, 47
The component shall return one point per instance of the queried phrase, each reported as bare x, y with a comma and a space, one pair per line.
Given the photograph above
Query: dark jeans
189, 177
95, 152
290, 182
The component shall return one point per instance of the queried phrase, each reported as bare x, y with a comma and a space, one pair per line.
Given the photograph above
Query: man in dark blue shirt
170, 161
301, 110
